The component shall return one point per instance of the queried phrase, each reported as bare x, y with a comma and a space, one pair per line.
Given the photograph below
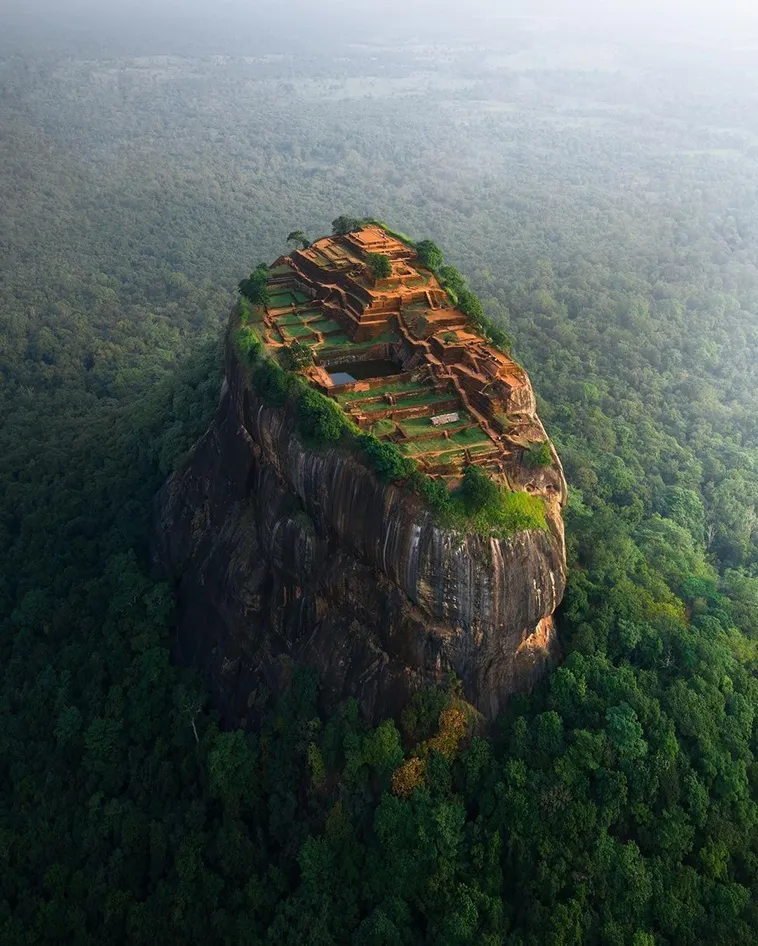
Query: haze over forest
234, 24
593, 172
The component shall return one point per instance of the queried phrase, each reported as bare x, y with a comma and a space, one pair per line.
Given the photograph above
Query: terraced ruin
403, 362
297, 541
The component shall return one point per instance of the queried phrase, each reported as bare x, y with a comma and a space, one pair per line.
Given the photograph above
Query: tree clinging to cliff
298, 236
255, 287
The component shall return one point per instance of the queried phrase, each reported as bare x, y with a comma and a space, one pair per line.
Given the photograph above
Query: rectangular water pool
365, 370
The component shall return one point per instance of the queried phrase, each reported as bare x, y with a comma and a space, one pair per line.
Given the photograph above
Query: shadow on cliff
283, 554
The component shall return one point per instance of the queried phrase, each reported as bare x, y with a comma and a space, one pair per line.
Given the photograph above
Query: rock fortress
285, 552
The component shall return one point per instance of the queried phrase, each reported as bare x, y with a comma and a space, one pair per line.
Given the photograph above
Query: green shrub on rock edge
479, 504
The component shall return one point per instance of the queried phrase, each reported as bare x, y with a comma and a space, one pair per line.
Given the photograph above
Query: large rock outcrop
286, 554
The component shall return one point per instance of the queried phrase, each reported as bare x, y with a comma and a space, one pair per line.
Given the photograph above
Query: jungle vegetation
608, 226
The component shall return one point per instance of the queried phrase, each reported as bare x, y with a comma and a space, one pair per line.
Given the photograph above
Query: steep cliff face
288, 554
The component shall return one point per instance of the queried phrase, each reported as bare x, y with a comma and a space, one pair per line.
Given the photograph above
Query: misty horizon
231, 25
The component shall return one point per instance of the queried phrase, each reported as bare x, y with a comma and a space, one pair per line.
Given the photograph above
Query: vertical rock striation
287, 554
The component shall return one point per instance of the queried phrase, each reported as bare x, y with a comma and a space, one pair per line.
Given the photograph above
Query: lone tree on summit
343, 225
297, 236
380, 265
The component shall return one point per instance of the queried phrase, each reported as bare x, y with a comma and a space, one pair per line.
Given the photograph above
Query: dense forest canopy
602, 200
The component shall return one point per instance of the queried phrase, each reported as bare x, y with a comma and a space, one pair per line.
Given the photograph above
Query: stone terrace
403, 362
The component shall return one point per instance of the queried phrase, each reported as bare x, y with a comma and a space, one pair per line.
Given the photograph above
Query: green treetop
298, 236
255, 287
380, 265
344, 224
429, 255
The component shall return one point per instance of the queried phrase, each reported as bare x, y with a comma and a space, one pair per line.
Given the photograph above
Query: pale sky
733, 11
734, 20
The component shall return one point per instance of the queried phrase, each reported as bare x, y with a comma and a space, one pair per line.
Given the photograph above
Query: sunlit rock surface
285, 554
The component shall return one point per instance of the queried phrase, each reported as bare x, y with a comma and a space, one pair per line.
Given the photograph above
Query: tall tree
343, 224
299, 237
